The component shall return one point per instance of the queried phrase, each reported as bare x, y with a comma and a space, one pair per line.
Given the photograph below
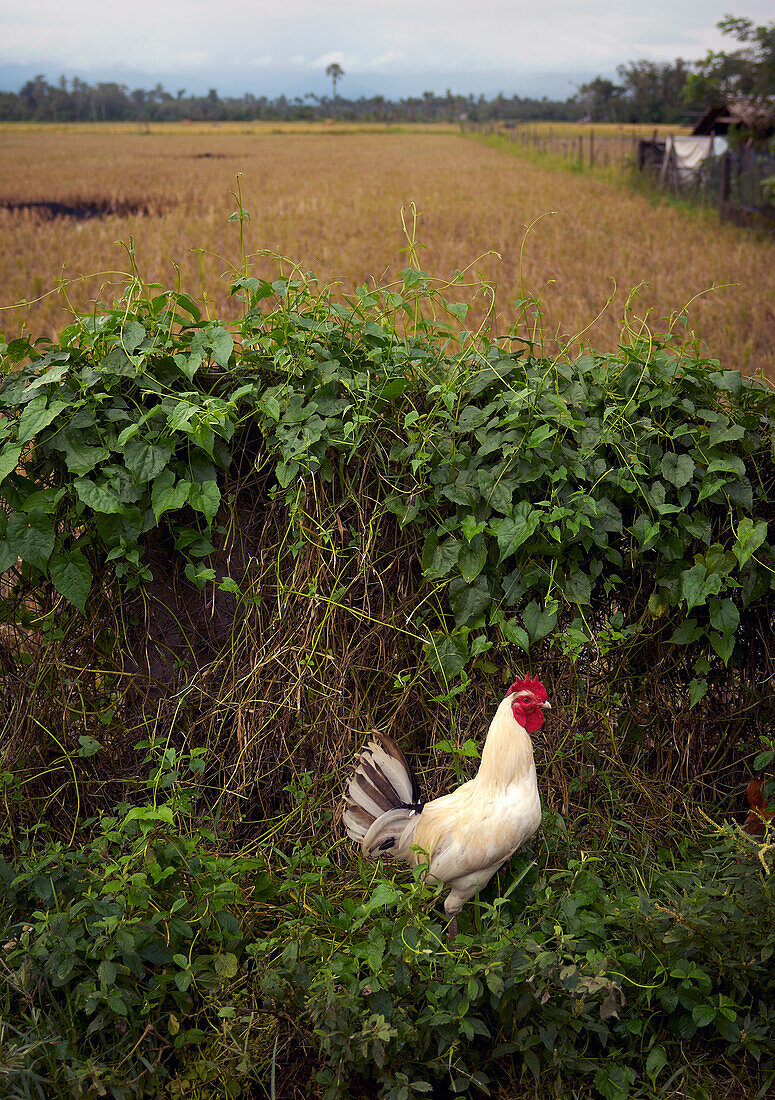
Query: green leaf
132, 335
226, 966
447, 653
117, 1003
729, 464
9, 460
439, 558
90, 746
146, 460
270, 405
188, 364
687, 632
49, 376
677, 469
703, 1015
98, 497
168, 495
471, 559
383, 895
222, 345
763, 760
36, 416
496, 490
728, 380
538, 621
655, 1063
7, 556
698, 689
205, 498
471, 528
118, 362
515, 634
697, 584
577, 587
724, 616
469, 602
71, 576
182, 415
31, 537
644, 530
396, 387
512, 531
80, 458
723, 644
749, 538
107, 972
709, 486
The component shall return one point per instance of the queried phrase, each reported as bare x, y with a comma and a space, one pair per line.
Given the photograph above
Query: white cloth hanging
689, 154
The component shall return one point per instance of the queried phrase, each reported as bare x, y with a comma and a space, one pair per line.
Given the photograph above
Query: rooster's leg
452, 928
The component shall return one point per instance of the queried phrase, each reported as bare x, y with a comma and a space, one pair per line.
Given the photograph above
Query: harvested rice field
330, 199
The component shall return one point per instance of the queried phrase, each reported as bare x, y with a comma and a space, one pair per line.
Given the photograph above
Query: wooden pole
591, 148
724, 184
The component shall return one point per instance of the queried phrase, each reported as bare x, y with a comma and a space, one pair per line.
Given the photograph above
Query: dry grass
250, 126
332, 202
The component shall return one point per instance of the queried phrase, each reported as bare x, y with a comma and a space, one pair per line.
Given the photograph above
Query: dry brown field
330, 198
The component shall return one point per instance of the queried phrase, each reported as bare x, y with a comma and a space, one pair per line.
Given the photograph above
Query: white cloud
385, 59
336, 57
419, 41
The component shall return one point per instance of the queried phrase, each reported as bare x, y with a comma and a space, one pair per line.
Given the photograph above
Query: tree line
77, 101
647, 91
680, 90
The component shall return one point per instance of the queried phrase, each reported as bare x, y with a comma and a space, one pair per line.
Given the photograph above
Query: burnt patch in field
83, 211
210, 156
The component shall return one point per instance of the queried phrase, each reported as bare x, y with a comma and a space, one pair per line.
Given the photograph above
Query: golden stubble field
331, 200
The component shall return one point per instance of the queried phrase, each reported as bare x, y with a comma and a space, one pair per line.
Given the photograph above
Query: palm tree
335, 71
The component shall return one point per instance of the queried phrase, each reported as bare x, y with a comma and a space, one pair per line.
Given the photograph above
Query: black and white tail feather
382, 803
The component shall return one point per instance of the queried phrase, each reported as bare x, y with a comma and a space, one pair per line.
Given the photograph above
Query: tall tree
336, 72
746, 72
601, 99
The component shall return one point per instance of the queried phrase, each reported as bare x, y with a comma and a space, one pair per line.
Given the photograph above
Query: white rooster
467, 835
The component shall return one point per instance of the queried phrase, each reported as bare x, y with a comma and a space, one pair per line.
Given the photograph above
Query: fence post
724, 184
591, 148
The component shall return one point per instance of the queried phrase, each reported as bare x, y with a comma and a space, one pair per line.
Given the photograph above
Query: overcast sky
394, 47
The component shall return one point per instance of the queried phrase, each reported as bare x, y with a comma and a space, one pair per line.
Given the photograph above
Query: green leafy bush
619, 498
265, 536
584, 978
120, 956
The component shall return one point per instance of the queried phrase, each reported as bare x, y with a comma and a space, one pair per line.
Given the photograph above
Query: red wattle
531, 718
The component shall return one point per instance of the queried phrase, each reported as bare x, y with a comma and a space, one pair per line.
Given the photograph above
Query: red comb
529, 684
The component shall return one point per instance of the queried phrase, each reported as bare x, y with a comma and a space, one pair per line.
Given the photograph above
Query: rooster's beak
545, 706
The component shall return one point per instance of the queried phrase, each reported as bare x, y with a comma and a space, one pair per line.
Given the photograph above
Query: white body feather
467, 835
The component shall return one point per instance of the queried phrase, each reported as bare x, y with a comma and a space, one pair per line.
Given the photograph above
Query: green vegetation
653, 91
230, 550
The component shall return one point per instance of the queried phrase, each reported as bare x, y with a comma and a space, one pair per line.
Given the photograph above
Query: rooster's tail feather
382, 798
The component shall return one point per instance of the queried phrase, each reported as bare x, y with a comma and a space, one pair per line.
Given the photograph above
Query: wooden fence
586, 147
740, 184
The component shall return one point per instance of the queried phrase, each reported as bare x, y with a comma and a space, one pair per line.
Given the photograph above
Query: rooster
759, 814
464, 836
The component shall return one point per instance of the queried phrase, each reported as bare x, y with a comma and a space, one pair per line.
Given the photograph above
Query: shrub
584, 976
244, 544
